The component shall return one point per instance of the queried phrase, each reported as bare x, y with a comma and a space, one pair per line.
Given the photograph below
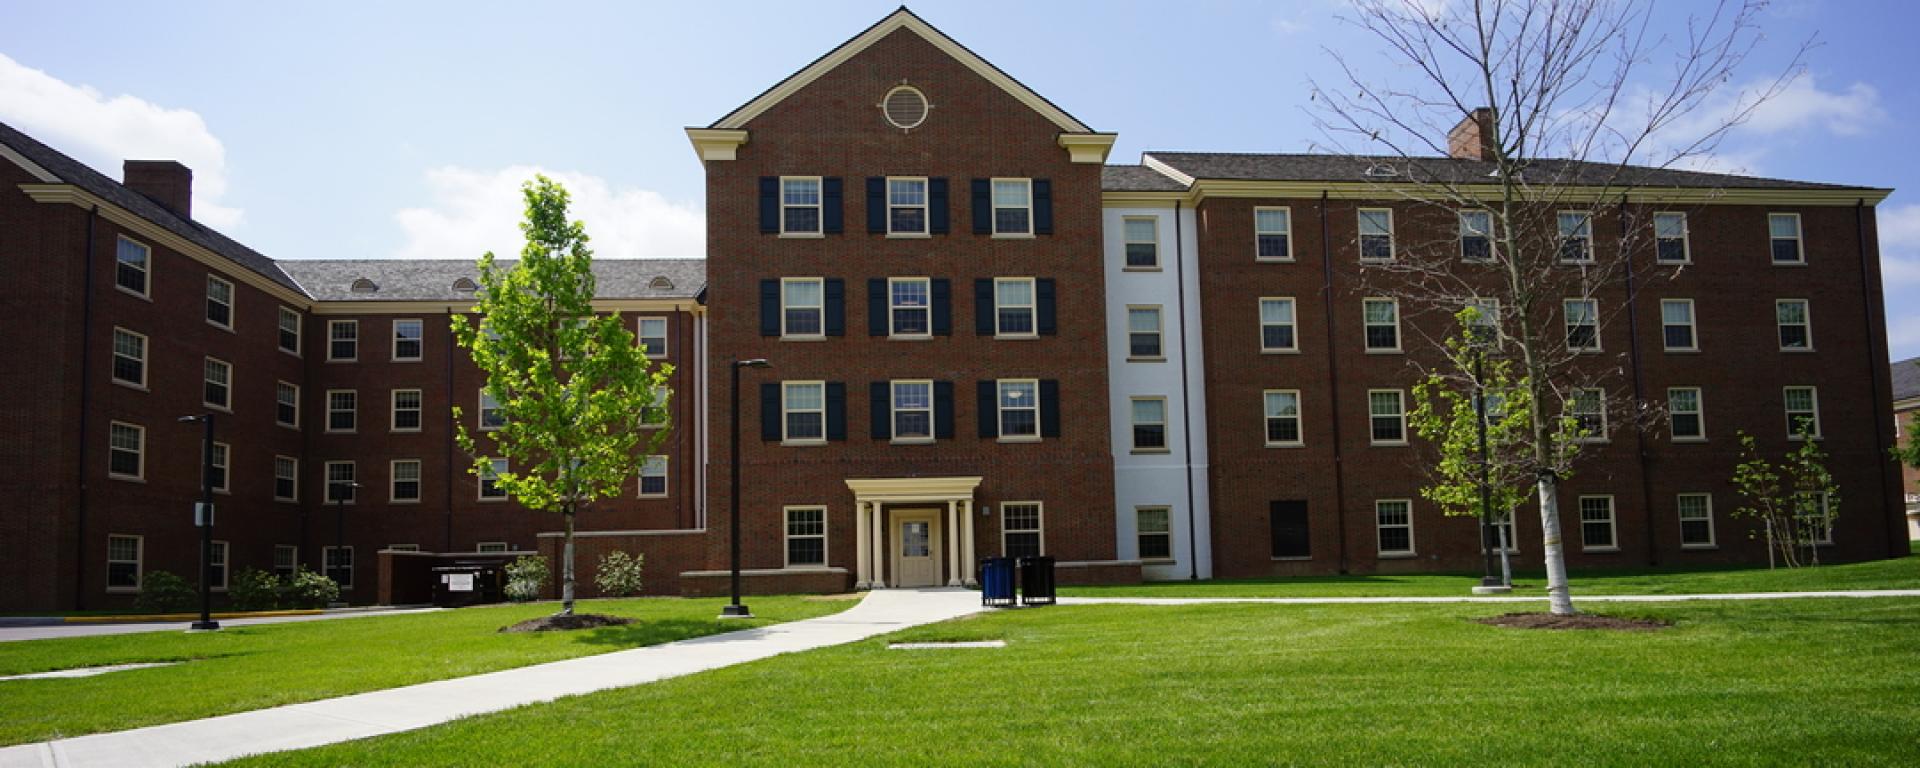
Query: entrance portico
933, 520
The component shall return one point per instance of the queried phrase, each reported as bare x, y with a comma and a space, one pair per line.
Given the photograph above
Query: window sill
133, 293
223, 491
132, 386
292, 352
413, 431
802, 235
1698, 547
285, 500
1681, 350
1689, 440
1147, 359
1013, 236
1286, 445
406, 360
912, 441
1151, 451
126, 478
1796, 438
1394, 351
1796, 350
1789, 263
1136, 268
1019, 439
1269, 260
817, 567
1279, 351
340, 432
1397, 556
123, 590
227, 409
1015, 336
803, 338
1378, 261
909, 236
491, 499
284, 425
1387, 443
343, 359
1587, 351
1295, 559
651, 496
802, 443
909, 337
1158, 561
1687, 263
1600, 550
403, 502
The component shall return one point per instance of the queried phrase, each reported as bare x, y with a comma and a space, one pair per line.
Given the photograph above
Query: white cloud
1801, 107
1900, 275
102, 131
1849, 111
475, 211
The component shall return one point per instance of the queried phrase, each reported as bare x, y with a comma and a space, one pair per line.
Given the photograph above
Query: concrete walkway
359, 716
48, 631
1577, 599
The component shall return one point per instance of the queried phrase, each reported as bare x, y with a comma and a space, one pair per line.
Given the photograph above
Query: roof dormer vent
364, 285
661, 283
464, 285
1381, 171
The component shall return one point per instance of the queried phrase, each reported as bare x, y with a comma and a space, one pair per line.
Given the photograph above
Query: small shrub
254, 590
163, 592
619, 574
526, 578
308, 589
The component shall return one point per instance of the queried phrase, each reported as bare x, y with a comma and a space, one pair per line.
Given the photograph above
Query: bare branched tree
1520, 144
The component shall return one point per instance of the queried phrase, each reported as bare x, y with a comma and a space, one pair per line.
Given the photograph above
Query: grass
253, 667
1807, 681
1901, 573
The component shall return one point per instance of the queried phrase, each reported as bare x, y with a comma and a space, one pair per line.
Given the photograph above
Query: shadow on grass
644, 632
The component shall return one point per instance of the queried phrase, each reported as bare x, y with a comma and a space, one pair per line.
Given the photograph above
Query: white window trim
1686, 238
820, 308
1295, 325
1493, 247
326, 568
141, 453
139, 562
1299, 420
326, 484
1699, 413
1360, 235
480, 482
640, 328
355, 324
1365, 326
1613, 522
785, 437
393, 410
993, 204
662, 404
1166, 432
1398, 393
226, 565
1380, 550
1713, 533
226, 468
1039, 522
402, 548
1566, 323
1560, 254
1606, 429
1126, 264
293, 565
1032, 306
393, 481
327, 426
1806, 311
787, 537
666, 477
233, 298
295, 498
999, 411
926, 207
146, 355
1826, 510
1693, 326
1139, 534
1257, 232
226, 407
295, 425
395, 345
480, 412
1813, 393
299, 330
820, 185
146, 271
893, 333
893, 411
1799, 240
1159, 332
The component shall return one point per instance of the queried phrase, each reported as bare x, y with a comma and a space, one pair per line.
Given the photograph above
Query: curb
145, 617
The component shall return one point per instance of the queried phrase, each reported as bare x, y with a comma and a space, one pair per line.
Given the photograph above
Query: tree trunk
1560, 601
566, 565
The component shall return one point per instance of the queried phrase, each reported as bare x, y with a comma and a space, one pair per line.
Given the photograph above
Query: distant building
1906, 408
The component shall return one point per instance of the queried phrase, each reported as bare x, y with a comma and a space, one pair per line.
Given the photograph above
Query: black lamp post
339, 522
203, 517
735, 610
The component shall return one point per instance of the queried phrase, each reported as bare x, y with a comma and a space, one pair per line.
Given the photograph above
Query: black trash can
1036, 581
996, 582
466, 583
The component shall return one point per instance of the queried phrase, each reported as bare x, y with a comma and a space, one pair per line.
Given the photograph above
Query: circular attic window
905, 107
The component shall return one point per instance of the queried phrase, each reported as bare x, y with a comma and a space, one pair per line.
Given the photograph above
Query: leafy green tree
1796, 500
575, 391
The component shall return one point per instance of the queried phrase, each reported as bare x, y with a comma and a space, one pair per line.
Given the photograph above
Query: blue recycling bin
996, 582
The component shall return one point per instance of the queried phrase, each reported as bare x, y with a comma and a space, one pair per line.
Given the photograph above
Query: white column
879, 537
966, 541
863, 545
953, 544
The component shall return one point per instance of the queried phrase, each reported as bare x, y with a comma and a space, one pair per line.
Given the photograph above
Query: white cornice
716, 144
409, 307
1359, 190
1088, 147
925, 489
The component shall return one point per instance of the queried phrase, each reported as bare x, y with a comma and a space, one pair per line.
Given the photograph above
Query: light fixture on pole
735, 610
203, 518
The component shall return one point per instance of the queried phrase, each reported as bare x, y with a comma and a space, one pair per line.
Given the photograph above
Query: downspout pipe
1333, 376
1186, 398
446, 544
86, 407
1639, 397
1870, 299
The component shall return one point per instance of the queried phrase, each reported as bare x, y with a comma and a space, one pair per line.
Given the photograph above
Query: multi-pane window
492, 546
1795, 321
1596, 524
653, 476
491, 415
1803, 411
805, 410
800, 206
806, 537
1143, 333
1686, 412
1273, 234
1670, 244
1019, 408
653, 337
286, 478
1013, 306
1676, 325
1021, 534
286, 560
1588, 407
343, 410
217, 380
802, 307
286, 404
1815, 517
1499, 532
1382, 320
1276, 326
1783, 233
341, 482
219, 302
1486, 319
906, 206
126, 451
913, 410
338, 562
343, 340
130, 266
1013, 206
217, 468
1576, 237
1283, 416
656, 412
1583, 324
1387, 414
1154, 526
407, 344
1393, 521
1142, 238
1376, 234
1696, 520
489, 485
1149, 424
406, 410
405, 486
129, 357
289, 331
910, 306
123, 563
1476, 236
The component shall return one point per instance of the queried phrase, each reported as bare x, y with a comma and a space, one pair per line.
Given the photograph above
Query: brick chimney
164, 181
1475, 137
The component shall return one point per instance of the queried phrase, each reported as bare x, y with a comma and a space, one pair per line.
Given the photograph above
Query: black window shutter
877, 205
1049, 408
983, 306
836, 307
769, 204
943, 410
876, 306
836, 410
769, 307
982, 207
832, 206
989, 409
1043, 306
882, 410
770, 411
1042, 207
937, 206
942, 307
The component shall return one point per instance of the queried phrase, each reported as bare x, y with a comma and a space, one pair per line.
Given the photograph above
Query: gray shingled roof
1346, 168
1136, 178
97, 184
1906, 379
432, 280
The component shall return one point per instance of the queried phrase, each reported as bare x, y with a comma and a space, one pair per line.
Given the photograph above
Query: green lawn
1902, 573
243, 668
1805, 681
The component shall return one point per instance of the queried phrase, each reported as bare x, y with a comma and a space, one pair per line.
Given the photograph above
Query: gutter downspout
86, 382
1186, 400
1870, 299
1333, 375
1639, 397
446, 544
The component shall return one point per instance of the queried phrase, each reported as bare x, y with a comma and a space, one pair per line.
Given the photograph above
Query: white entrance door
916, 547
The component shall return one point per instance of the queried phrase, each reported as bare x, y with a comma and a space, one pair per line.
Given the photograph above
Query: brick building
1906, 407
982, 339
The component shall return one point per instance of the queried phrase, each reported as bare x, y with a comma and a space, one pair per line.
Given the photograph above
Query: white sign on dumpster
459, 582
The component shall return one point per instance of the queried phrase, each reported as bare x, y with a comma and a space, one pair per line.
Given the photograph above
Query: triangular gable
900, 19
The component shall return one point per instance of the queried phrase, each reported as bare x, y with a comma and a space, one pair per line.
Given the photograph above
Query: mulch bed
563, 623
1576, 621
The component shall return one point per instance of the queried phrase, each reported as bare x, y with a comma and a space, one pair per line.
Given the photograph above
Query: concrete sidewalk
49, 630
1577, 599
359, 716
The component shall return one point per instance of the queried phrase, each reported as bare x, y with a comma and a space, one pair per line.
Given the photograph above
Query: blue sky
363, 130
